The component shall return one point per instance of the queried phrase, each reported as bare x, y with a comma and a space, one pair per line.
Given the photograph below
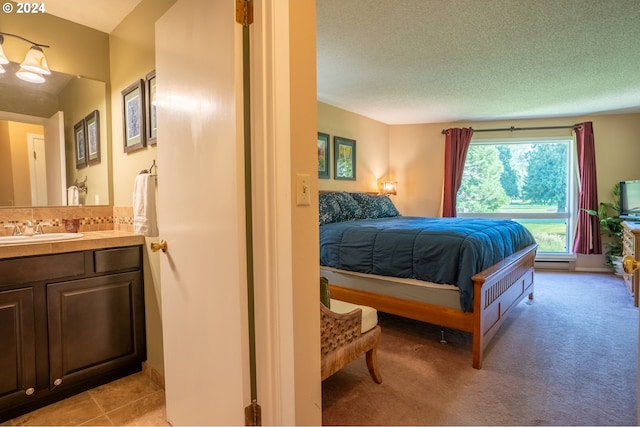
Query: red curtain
587, 239
455, 153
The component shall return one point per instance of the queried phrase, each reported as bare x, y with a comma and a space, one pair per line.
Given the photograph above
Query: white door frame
37, 169
288, 344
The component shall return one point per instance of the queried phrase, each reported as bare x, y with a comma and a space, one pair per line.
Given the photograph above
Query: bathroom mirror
25, 106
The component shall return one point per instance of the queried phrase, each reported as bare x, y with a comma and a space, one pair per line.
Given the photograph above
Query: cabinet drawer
117, 259
34, 269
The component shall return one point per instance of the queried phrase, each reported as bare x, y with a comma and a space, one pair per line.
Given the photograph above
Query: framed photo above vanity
92, 124
133, 123
79, 137
152, 119
344, 155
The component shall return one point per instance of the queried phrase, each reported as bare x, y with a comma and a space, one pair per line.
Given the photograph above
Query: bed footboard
496, 291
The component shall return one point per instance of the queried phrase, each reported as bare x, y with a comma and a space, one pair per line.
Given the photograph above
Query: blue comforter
439, 250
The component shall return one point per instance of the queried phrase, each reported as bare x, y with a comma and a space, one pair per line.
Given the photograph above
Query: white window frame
572, 197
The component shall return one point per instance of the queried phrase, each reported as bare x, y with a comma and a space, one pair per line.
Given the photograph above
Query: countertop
89, 240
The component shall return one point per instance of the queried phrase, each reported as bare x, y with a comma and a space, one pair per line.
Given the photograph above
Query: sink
37, 238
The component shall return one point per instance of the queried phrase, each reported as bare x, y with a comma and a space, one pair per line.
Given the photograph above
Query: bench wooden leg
372, 365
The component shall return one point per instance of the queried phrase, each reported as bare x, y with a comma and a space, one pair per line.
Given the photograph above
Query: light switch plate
303, 188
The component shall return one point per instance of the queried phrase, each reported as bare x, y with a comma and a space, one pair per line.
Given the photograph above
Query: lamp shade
390, 187
3, 57
35, 61
30, 76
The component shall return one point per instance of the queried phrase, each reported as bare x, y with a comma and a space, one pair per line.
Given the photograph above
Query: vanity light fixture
3, 57
34, 66
30, 76
389, 187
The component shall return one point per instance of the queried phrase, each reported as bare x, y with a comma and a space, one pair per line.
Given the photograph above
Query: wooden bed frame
497, 290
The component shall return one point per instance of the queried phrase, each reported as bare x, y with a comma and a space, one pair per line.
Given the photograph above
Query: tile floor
133, 400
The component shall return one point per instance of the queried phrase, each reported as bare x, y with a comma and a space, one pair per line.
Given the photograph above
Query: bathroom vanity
71, 317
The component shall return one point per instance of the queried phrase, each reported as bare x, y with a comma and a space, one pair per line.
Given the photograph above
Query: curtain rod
513, 128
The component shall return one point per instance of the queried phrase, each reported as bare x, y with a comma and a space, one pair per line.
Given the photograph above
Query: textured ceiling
431, 61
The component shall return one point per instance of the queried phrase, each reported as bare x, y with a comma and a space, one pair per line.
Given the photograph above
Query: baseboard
563, 265
153, 374
595, 270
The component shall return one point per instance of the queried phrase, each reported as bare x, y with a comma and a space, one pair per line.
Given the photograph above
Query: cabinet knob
30, 391
57, 381
155, 246
629, 264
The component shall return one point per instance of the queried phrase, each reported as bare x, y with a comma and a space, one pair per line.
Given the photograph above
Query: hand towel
73, 196
145, 220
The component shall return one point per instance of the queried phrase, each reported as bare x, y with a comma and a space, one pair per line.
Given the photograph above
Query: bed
460, 273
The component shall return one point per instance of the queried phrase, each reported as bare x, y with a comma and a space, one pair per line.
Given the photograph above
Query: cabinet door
17, 347
95, 325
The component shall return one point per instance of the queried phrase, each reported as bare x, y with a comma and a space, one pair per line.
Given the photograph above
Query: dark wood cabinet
17, 347
68, 322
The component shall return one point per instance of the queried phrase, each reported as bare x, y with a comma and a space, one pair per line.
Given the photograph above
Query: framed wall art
133, 123
92, 125
324, 156
344, 155
79, 137
150, 110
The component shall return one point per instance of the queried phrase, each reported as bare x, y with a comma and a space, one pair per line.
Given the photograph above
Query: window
529, 181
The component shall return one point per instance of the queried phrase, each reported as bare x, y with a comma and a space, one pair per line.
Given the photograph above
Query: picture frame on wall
92, 126
150, 110
79, 137
344, 155
324, 156
133, 120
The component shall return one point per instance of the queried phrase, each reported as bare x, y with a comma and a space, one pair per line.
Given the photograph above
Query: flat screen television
630, 200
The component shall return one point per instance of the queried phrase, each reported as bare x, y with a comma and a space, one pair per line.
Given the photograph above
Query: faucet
39, 226
16, 229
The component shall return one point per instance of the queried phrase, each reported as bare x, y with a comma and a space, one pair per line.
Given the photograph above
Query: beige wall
416, 154
132, 53
372, 147
6, 169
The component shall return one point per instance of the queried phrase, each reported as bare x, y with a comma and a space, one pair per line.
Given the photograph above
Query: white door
37, 169
201, 214
56, 161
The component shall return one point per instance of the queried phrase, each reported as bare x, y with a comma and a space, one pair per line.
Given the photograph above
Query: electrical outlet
303, 188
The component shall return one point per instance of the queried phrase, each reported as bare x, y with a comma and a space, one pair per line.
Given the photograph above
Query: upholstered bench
348, 331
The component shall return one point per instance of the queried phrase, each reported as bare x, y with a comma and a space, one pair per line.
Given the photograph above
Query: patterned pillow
377, 206
329, 208
338, 206
349, 208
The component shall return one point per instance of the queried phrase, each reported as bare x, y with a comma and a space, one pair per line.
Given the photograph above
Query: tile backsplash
92, 218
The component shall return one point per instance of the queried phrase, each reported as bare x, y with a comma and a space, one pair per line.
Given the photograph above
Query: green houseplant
611, 227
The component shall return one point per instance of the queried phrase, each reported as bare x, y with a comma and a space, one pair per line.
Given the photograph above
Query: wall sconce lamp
389, 187
34, 66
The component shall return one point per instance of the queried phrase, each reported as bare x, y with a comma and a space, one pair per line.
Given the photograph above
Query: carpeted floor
569, 357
